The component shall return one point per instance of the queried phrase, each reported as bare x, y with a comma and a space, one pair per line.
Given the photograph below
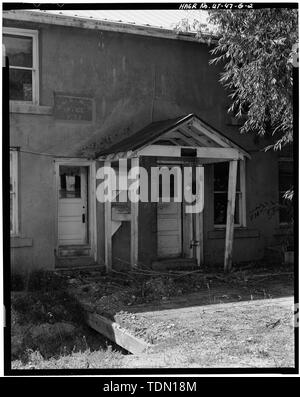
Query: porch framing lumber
201, 139
202, 152
212, 134
108, 227
199, 224
134, 226
187, 219
243, 190
116, 333
232, 179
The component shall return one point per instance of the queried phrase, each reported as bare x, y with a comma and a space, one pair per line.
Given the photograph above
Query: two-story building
87, 92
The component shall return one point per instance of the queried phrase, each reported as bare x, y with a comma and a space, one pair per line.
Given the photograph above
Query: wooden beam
173, 140
219, 153
217, 137
230, 215
116, 156
115, 226
187, 217
187, 139
134, 227
211, 134
201, 139
202, 152
243, 190
116, 333
108, 228
199, 222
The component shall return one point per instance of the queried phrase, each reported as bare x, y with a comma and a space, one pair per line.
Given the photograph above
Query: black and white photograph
150, 189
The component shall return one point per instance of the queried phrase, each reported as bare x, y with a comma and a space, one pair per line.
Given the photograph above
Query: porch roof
187, 131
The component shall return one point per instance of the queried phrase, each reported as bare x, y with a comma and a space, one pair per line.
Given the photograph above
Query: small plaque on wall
73, 108
120, 212
121, 208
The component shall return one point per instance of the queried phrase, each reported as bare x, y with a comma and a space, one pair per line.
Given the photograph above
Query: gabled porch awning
185, 136
173, 138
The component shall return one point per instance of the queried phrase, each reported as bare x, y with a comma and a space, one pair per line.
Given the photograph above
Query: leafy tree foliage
256, 48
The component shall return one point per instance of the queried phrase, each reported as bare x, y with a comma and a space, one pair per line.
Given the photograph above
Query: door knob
83, 218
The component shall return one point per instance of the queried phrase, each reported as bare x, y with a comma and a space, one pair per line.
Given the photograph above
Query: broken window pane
20, 85
19, 50
70, 182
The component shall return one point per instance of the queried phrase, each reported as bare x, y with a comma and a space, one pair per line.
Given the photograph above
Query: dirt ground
245, 334
255, 334
192, 319
202, 319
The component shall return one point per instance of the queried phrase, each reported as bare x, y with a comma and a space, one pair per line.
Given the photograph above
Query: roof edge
223, 136
87, 23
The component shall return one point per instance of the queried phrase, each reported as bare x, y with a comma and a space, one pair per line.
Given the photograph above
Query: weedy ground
199, 319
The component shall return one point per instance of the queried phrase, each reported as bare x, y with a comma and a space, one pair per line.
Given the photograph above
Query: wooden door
72, 205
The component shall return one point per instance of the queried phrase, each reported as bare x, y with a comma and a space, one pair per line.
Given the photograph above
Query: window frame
35, 61
14, 166
241, 197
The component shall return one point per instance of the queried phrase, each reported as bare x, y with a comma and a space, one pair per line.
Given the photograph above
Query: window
70, 181
13, 192
221, 171
285, 183
21, 48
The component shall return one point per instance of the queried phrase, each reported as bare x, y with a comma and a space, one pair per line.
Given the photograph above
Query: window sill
238, 233
19, 242
29, 108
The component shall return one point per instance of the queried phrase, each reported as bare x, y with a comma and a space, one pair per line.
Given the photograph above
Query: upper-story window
21, 48
221, 173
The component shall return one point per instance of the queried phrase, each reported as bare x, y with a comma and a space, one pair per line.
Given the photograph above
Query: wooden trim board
230, 215
117, 334
108, 227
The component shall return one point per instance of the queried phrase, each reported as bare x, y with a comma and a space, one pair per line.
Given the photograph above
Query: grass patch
48, 323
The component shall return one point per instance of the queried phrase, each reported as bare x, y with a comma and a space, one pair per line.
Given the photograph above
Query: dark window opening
285, 183
221, 172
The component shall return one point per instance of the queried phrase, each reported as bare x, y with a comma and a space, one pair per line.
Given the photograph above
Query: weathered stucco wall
34, 248
132, 80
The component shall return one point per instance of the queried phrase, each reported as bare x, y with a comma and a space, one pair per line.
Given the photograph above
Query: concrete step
175, 264
74, 251
75, 262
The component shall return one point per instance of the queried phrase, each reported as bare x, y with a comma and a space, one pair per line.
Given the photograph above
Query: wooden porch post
134, 227
108, 226
230, 214
188, 234
199, 220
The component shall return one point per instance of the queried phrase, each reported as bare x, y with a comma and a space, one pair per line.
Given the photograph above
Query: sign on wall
72, 108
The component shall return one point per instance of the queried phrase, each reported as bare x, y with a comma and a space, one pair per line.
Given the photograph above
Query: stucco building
88, 92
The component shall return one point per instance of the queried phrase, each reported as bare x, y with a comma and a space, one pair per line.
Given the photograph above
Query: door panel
169, 240
72, 205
